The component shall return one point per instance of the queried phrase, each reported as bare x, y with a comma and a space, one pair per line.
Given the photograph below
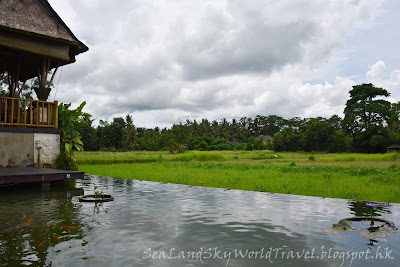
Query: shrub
200, 156
64, 163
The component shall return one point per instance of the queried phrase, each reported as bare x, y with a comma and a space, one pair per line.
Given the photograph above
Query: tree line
370, 125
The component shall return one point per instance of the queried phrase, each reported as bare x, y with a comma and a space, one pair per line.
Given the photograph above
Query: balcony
19, 112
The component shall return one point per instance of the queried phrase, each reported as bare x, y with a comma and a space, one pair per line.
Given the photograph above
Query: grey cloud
170, 60
246, 47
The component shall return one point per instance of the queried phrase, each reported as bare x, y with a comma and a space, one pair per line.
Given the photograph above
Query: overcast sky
167, 61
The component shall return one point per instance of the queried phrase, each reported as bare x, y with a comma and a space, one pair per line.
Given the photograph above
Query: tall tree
394, 121
394, 124
88, 133
294, 122
272, 124
130, 135
336, 122
116, 132
366, 116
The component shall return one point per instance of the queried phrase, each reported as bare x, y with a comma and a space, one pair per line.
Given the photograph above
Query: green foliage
243, 134
318, 135
129, 140
366, 116
394, 137
70, 120
62, 162
200, 156
219, 144
117, 132
255, 143
361, 157
98, 193
286, 140
160, 158
339, 143
197, 143
88, 133
394, 120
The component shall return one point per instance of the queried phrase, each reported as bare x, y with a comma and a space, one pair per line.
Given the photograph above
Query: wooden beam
36, 46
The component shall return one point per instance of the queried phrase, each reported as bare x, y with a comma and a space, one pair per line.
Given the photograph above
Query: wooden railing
19, 112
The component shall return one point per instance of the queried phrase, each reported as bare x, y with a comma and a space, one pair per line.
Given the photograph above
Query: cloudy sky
166, 61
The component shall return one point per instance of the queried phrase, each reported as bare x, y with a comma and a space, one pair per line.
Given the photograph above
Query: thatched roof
30, 33
36, 17
395, 146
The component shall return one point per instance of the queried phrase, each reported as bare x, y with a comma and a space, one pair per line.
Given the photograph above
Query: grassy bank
325, 175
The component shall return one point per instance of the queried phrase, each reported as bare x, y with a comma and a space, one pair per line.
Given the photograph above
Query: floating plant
98, 196
372, 205
378, 228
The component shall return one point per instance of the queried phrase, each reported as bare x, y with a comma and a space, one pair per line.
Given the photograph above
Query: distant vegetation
369, 126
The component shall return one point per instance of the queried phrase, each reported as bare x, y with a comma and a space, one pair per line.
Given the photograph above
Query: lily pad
379, 230
343, 226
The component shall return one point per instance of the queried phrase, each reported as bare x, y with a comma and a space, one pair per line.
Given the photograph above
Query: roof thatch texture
36, 17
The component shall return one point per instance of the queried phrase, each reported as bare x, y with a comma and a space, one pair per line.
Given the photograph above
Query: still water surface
157, 224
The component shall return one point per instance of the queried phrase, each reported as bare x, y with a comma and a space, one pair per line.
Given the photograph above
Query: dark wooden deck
36, 175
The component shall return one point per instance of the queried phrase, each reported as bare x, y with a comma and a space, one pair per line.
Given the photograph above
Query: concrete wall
16, 149
28, 149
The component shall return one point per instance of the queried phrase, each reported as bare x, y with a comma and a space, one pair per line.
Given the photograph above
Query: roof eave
81, 47
77, 47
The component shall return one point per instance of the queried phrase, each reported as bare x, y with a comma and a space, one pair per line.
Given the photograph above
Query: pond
158, 224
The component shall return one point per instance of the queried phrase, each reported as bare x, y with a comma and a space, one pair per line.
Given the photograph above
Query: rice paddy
374, 177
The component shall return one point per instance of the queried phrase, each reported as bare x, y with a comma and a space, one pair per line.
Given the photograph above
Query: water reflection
34, 218
359, 208
164, 217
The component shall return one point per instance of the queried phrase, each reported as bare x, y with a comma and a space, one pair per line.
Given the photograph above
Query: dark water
156, 224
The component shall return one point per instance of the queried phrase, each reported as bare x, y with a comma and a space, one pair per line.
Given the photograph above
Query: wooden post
56, 114
37, 113
5, 112
42, 118
31, 112
18, 111
12, 111
47, 113
24, 105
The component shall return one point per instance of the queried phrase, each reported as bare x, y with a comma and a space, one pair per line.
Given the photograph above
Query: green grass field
374, 177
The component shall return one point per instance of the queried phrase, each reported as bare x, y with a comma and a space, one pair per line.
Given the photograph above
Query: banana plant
69, 120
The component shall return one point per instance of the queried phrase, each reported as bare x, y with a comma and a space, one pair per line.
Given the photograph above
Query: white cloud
166, 61
379, 76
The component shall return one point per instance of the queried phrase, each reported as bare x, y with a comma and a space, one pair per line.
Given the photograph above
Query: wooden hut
34, 42
393, 149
